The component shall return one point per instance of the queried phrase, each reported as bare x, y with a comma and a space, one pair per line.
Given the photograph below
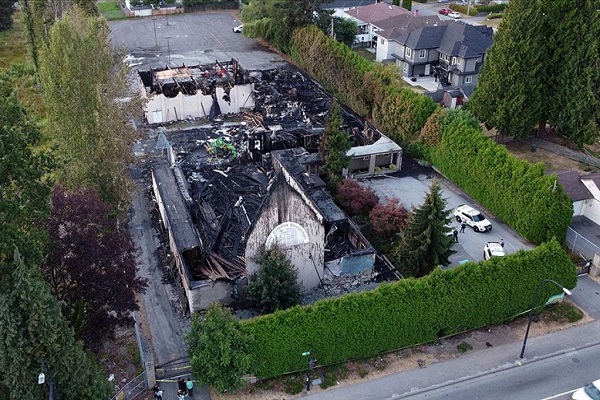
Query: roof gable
376, 12
572, 185
394, 27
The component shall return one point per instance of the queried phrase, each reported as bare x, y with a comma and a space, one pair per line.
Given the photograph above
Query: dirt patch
552, 161
416, 357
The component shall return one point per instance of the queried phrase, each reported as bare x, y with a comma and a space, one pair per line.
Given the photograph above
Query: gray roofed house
394, 27
452, 51
584, 190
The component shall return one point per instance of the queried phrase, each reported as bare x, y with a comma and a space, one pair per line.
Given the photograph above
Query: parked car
445, 11
588, 392
443, 1
472, 217
454, 14
493, 249
238, 29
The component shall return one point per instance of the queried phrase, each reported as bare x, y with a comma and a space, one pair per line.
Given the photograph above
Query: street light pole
533, 303
155, 40
168, 48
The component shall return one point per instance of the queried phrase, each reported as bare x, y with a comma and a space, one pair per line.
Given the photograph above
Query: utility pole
468, 7
155, 41
168, 48
332, 31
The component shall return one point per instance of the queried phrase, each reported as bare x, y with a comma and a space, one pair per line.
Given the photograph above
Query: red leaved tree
91, 266
356, 199
389, 218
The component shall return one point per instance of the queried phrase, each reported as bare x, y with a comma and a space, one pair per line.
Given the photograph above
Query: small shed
381, 157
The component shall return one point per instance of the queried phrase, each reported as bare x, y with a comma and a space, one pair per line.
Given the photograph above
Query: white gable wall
591, 207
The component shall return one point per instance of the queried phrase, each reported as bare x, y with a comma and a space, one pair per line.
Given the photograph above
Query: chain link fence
133, 388
579, 245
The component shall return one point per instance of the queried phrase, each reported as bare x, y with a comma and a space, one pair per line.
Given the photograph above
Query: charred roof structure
254, 182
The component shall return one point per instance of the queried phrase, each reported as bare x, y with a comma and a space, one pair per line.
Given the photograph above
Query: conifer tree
335, 143
35, 337
275, 286
425, 241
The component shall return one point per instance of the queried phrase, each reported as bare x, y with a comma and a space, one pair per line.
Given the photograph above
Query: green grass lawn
110, 10
365, 53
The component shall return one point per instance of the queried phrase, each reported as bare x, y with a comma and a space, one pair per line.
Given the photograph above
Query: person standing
455, 234
502, 243
190, 387
462, 227
181, 385
157, 392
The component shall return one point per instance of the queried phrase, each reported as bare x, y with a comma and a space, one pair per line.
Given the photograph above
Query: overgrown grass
110, 10
562, 312
365, 54
333, 375
13, 49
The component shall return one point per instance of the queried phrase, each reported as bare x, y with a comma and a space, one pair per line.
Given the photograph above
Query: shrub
356, 199
463, 9
494, 15
492, 8
389, 219
464, 347
293, 385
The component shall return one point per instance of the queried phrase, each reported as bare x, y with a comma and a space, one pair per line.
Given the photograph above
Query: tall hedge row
371, 90
408, 312
518, 193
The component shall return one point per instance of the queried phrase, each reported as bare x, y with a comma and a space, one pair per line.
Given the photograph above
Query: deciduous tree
425, 241
6, 12
85, 87
35, 337
275, 286
91, 265
356, 199
388, 219
344, 30
218, 350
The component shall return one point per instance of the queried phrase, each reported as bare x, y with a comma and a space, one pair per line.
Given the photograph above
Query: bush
293, 385
493, 8
494, 15
389, 219
463, 9
356, 199
408, 312
464, 347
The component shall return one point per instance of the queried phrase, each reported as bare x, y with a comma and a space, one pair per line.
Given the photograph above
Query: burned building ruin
239, 185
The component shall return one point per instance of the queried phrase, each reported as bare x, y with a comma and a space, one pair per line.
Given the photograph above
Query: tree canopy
85, 86
335, 142
275, 286
425, 241
91, 265
543, 68
35, 337
218, 349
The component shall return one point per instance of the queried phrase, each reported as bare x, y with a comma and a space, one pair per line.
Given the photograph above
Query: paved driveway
195, 38
411, 186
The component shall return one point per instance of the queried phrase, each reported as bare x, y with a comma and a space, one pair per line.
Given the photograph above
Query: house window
422, 53
459, 61
382, 41
453, 61
405, 67
408, 52
468, 79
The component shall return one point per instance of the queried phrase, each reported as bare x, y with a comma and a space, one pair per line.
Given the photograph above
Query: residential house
394, 27
366, 18
339, 7
452, 51
584, 190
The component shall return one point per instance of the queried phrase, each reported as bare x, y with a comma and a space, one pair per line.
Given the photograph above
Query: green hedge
517, 192
494, 15
408, 312
371, 90
494, 8
463, 9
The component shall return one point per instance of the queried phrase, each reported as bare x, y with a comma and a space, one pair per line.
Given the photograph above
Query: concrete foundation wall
197, 106
204, 293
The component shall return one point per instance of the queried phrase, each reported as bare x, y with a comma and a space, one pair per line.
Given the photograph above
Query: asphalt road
190, 39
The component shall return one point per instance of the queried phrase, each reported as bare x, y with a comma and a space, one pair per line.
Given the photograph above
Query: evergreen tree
218, 350
6, 12
84, 82
24, 184
407, 4
425, 242
335, 142
35, 337
543, 68
275, 286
